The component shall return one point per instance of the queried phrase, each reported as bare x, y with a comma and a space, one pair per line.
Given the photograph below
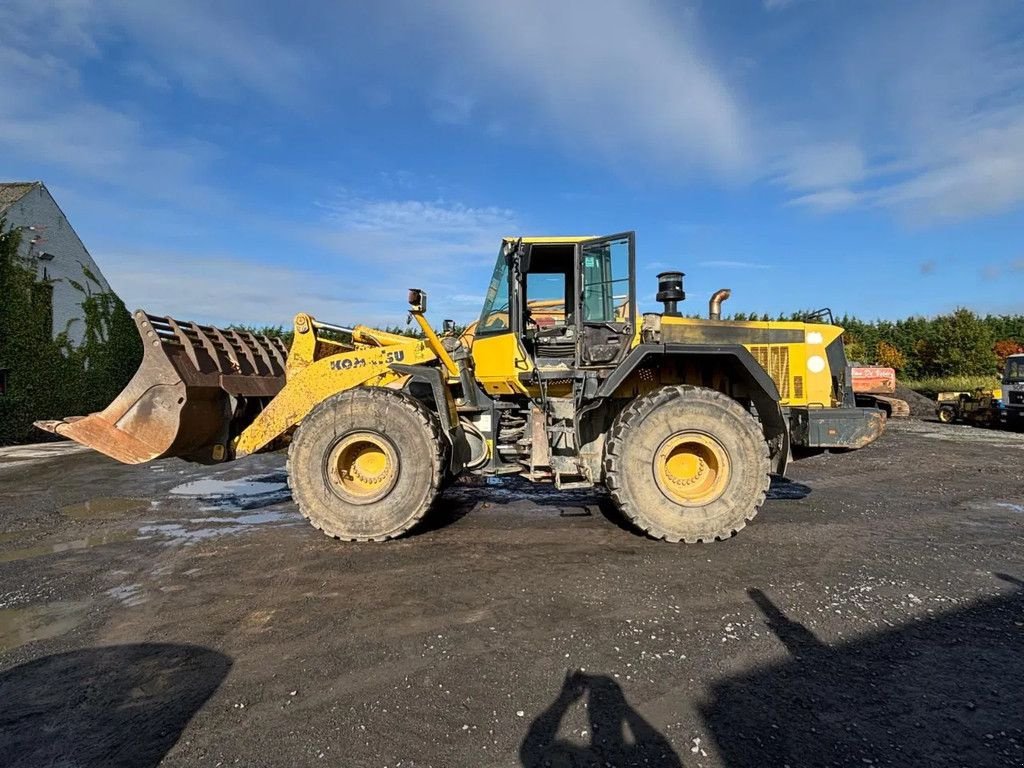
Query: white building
63, 259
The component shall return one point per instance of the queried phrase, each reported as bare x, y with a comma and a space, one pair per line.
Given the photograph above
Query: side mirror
449, 327
418, 300
517, 254
524, 257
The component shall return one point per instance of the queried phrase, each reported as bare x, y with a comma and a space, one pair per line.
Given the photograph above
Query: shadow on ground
618, 735
784, 489
944, 691
122, 705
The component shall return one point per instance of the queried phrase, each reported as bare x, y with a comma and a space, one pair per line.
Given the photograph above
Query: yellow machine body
211, 395
561, 380
318, 368
793, 353
799, 366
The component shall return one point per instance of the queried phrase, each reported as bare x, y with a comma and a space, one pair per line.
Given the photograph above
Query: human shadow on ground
618, 735
122, 706
947, 690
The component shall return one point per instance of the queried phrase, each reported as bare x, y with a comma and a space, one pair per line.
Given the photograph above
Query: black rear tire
720, 438
366, 464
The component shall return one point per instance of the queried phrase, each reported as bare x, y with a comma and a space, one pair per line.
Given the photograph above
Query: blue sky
241, 161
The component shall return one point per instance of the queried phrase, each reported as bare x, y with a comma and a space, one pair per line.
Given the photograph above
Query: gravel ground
178, 615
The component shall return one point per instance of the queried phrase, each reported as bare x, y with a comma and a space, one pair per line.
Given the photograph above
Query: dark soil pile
921, 407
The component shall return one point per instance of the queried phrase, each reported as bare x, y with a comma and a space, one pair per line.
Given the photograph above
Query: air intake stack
670, 291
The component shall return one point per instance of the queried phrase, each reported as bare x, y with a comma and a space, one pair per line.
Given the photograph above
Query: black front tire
407, 432
637, 439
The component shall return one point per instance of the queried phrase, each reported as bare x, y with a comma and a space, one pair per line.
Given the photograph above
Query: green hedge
47, 377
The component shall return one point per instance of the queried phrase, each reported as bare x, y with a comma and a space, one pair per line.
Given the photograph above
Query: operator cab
569, 301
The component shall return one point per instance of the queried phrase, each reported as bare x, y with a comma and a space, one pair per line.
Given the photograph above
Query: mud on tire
366, 464
650, 426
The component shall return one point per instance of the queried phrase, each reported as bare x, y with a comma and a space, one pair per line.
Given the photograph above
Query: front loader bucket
197, 388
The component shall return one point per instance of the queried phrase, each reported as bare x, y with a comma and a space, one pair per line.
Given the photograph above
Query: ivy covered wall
47, 377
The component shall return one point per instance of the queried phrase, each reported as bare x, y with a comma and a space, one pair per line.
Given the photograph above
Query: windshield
494, 318
1014, 373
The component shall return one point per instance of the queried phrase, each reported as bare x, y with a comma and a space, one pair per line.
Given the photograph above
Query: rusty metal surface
187, 396
873, 380
898, 409
849, 428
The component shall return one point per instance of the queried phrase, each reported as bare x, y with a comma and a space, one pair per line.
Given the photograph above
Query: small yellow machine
560, 380
980, 408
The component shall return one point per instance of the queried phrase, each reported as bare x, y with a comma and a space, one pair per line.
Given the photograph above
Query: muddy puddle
199, 529
104, 508
40, 550
991, 514
19, 455
129, 595
218, 508
997, 506
933, 430
39, 622
242, 493
7, 537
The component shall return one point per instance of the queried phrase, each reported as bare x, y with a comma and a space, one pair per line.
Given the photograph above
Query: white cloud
452, 108
447, 248
828, 164
979, 174
211, 48
828, 200
354, 267
936, 95
620, 78
222, 289
51, 127
412, 221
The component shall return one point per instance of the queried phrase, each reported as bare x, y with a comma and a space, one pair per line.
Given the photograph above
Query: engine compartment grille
775, 360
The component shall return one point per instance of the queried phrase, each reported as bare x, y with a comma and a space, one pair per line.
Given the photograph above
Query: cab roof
532, 239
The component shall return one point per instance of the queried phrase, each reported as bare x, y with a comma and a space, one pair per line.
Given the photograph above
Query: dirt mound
921, 407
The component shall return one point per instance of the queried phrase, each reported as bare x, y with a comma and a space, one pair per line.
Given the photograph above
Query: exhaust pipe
715, 304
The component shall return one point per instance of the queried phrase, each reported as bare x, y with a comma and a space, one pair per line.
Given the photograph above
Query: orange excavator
874, 386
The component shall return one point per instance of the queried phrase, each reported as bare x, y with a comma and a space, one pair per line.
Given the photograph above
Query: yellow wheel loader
560, 380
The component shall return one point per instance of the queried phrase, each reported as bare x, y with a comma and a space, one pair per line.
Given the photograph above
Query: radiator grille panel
775, 360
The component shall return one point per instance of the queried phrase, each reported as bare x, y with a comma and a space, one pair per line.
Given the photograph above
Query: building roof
12, 191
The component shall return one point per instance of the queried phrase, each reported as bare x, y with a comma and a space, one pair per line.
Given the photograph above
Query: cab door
606, 292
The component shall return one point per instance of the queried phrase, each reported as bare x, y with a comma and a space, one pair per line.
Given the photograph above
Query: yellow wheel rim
362, 467
692, 468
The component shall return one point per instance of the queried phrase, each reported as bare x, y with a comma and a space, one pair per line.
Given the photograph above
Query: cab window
495, 315
1014, 371
606, 281
545, 299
